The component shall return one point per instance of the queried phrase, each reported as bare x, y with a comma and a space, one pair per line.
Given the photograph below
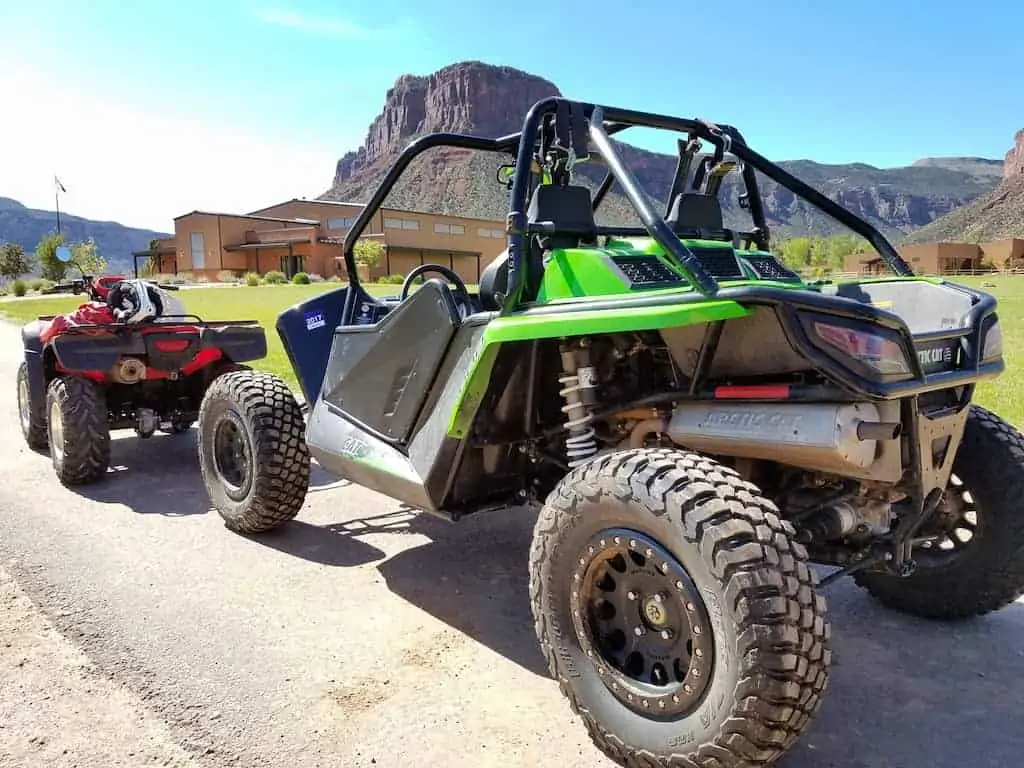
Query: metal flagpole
58, 188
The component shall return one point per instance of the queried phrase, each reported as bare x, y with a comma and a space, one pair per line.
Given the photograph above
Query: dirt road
361, 635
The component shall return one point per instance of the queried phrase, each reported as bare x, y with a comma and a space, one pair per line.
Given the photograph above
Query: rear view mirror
63, 254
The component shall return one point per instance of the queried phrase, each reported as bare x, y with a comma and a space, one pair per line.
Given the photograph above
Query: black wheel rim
957, 524
641, 621
232, 456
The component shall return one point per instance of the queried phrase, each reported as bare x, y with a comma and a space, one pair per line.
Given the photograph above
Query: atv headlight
992, 349
879, 350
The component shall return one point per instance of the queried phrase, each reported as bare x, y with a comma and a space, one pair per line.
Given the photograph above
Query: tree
88, 258
46, 256
368, 252
14, 262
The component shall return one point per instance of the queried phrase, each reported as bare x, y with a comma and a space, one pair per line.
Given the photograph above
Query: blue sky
233, 104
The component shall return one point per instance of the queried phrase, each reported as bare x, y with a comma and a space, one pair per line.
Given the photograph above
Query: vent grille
721, 263
770, 268
646, 271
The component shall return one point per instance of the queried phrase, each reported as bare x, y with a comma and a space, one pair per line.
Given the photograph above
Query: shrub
227, 276
18, 288
392, 279
274, 277
301, 278
43, 284
252, 279
35, 283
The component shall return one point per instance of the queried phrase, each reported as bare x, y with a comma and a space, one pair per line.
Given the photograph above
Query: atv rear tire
721, 620
252, 450
986, 572
31, 417
77, 430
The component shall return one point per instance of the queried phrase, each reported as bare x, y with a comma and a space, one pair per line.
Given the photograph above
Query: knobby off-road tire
32, 418
250, 420
763, 624
988, 573
78, 432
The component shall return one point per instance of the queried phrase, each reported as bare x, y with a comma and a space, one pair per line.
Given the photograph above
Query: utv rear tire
31, 417
252, 450
756, 659
988, 573
78, 432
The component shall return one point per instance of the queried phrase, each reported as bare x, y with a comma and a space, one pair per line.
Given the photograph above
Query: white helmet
134, 301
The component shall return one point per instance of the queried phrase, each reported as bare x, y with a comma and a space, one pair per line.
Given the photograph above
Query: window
449, 229
401, 223
340, 223
198, 250
495, 233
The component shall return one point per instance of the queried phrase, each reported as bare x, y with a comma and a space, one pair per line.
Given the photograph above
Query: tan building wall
1004, 254
924, 258
208, 243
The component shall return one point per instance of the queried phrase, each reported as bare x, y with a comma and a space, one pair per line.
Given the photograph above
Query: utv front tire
252, 450
985, 572
31, 417
78, 432
676, 612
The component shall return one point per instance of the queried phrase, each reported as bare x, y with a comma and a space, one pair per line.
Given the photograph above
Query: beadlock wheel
640, 617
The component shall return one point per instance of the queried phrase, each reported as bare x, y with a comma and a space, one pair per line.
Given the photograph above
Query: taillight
992, 347
879, 351
171, 345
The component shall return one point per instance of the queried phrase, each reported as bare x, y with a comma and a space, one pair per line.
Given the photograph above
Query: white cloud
319, 25
136, 165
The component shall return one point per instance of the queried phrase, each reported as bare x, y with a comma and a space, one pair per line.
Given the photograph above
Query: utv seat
567, 211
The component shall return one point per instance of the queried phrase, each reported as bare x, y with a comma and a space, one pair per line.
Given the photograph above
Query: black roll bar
653, 222
605, 121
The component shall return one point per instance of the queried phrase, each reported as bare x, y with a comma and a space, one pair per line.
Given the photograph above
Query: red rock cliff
467, 97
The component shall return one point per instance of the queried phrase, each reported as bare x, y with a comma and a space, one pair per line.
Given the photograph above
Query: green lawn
261, 303
1004, 395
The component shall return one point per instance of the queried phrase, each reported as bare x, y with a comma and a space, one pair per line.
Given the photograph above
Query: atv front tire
977, 566
252, 450
77, 429
676, 612
31, 417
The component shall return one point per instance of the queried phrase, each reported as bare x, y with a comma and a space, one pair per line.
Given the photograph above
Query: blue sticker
315, 320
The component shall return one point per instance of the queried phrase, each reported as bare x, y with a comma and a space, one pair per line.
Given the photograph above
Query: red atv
129, 358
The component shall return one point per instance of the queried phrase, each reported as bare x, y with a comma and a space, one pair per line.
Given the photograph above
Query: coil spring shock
578, 385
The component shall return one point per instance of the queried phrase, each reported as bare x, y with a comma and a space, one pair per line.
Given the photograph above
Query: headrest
569, 208
694, 210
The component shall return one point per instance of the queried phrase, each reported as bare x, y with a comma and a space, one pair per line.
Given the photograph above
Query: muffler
830, 437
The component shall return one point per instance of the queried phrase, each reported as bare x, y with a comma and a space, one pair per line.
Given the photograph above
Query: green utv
696, 422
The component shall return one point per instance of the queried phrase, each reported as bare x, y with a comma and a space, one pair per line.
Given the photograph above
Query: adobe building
946, 258
306, 236
924, 258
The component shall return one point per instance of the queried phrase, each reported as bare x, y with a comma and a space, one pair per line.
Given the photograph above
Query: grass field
1004, 396
261, 303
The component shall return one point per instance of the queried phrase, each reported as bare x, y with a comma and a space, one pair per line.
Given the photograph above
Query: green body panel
574, 276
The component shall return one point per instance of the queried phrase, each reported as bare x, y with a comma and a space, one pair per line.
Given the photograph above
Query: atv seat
567, 215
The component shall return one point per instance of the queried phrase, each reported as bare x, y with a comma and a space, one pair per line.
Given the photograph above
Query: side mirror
505, 175
63, 254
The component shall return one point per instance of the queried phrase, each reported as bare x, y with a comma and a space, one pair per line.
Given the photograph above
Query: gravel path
361, 635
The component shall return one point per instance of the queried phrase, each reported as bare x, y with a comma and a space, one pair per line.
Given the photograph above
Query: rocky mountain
473, 97
115, 242
994, 215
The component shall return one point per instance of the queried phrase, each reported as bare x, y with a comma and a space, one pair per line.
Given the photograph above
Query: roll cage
559, 132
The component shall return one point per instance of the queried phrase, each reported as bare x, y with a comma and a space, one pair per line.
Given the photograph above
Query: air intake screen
720, 262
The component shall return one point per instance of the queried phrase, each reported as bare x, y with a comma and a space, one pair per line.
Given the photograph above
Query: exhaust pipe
830, 437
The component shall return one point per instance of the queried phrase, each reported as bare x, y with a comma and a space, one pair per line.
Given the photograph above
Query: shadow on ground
904, 692
160, 475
